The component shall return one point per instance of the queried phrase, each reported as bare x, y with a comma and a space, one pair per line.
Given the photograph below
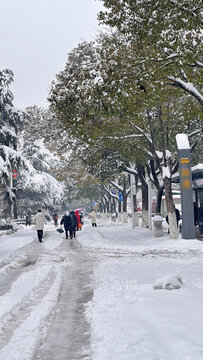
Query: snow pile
168, 282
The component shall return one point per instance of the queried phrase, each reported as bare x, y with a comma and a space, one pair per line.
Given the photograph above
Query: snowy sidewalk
129, 318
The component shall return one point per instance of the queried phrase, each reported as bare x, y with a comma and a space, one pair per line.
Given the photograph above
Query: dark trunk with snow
158, 200
174, 233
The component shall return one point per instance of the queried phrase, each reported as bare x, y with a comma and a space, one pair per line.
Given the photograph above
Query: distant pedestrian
74, 222
68, 226
28, 220
55, 218
94, 218
81, 217
79, 224
39, 220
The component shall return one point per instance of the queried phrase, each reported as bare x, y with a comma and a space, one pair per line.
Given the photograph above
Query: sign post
188, 227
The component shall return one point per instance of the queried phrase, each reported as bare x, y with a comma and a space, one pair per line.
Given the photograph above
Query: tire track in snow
27, 336
22, 291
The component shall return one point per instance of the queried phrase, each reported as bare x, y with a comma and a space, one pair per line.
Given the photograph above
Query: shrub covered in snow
168, 282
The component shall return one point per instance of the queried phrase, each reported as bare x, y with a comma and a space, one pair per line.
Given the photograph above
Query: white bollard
158, 228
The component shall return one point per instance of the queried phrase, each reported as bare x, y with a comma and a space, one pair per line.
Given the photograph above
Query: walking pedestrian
79, 225
28, 220
39, 220
94, 218
74, 222
55, 218
67, 222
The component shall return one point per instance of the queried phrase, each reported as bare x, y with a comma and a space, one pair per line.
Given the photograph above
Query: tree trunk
145, 206
170, 209
135, 212
124, 203
119, 212
100, 207
158, 200
108, 206
141, 174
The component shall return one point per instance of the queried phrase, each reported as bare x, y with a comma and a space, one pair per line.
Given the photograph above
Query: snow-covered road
94, 297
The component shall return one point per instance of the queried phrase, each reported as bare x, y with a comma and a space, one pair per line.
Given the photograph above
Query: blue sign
120, 195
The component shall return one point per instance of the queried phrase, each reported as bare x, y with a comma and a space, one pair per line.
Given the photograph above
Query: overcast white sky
36, 36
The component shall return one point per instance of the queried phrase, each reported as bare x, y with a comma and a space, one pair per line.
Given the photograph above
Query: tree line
114, 111
124, 96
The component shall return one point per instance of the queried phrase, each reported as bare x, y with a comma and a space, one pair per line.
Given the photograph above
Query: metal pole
188, 227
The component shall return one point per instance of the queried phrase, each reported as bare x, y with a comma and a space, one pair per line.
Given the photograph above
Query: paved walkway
69, 334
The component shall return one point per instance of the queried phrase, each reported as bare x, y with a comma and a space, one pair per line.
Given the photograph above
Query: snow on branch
131, 170
122, 137
105, 197
110, 193
9, 154
197, 64
188, 87
117, 186
195, 132
3, 168
142, 132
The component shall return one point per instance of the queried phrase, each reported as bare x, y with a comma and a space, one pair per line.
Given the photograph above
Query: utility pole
188, 226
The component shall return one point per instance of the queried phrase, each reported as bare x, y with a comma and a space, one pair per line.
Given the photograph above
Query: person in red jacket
79, 225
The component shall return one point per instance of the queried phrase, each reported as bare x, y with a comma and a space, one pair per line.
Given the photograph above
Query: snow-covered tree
167, 36
37, 185
10, 159
118, 91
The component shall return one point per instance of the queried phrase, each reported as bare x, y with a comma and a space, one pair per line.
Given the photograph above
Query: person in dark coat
67, 222
74, 222
28, 220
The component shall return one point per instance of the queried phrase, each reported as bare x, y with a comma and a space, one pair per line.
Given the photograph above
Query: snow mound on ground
168, 282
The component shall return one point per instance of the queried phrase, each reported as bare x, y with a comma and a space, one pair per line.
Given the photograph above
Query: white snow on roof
197, 167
